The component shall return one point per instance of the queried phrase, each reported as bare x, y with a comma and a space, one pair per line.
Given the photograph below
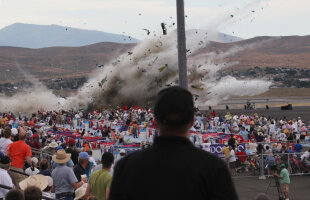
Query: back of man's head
7, 132
15, 194
107, 160
174, 109
33, 193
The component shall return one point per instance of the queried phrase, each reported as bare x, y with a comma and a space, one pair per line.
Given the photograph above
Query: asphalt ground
303, 112
248, 188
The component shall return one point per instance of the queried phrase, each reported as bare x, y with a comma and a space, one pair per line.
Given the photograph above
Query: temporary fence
264, 165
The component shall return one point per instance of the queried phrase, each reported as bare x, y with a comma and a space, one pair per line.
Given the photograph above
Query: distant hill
40, 36
68, 62
288, 51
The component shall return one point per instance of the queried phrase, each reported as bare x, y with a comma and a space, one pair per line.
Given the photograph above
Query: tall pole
181, 45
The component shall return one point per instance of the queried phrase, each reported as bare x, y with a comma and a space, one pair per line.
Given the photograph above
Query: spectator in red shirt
213, 113
35, 142
19, 151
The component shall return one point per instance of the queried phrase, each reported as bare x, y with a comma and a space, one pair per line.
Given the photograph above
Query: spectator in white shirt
33, 170
5, 178
4, 142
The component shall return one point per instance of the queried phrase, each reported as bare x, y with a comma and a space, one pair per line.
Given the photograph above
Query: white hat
34, 159
122, 151
61, 157
79, 193
38, 181
14, 131
53, 145
49, 181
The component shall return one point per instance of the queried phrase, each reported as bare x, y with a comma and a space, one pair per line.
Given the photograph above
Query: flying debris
139, 14
197, 87
130, 53
143, 70
163, 68
99, 66
196, 97
253, 11
147, 31
231, 16
66, 29
163, 27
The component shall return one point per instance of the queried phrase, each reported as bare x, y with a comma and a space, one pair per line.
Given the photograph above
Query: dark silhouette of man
172, 168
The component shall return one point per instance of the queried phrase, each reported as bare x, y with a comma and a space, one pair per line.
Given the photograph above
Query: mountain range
41, 36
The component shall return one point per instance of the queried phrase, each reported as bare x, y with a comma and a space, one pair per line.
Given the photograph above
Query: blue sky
250, 17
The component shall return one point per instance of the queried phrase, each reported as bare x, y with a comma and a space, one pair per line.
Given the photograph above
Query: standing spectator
15, 194
5, 178
33, 170
100, 181
181, 170
35, 142
72, 151
226, 153
19, 151
4, 142
298, 147
44, 168
64, 178
244, 134
79, 169
284, 180
232, 161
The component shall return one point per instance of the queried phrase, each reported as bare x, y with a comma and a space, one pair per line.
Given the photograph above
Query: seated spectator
15, 194
33, 170
80, 193
5, 178
38, 181
33, 193
44, 168
47, 192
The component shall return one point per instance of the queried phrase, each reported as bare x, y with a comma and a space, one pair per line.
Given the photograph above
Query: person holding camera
284, 180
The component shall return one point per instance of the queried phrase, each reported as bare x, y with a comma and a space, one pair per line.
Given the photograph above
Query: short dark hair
107, 159
44, 164
33, 193
15, 194
7, 132
174, 107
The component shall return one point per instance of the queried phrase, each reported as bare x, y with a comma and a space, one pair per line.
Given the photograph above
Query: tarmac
248, 188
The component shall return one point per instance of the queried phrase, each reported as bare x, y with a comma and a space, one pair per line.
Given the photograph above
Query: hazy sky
250, 17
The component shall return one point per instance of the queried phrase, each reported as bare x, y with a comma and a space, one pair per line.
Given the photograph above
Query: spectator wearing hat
192, 173
69, 163
47, 192
80, 168
18, 152
100, 181
6, 140
72, 151
65, 181
284, 180
38, 181
5, 178
33, 170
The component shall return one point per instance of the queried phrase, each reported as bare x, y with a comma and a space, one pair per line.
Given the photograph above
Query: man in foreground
100, 181
284, 180
172, 168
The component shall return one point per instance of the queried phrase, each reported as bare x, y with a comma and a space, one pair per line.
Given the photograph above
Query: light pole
182, 60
